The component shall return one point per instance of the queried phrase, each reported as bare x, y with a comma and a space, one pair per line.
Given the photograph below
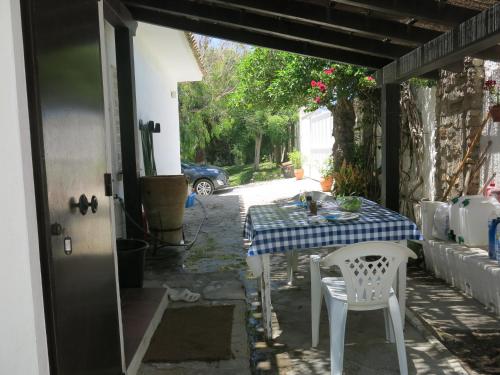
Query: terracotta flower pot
326, 183
495, 113
299, 174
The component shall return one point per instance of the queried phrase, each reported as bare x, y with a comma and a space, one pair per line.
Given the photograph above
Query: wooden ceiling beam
328, 16
439, 12
284, 28
192, 24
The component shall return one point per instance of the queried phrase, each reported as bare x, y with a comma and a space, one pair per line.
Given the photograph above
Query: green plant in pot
349, 180
326, 172
296, 160
494, 90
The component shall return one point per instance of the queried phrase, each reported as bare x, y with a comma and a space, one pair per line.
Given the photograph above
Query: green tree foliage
203, 106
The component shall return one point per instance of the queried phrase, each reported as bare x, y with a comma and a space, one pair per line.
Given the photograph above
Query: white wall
162, 58
23, 344
315, 140
426, 102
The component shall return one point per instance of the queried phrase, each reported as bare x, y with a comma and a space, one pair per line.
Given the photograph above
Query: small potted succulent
296, 159
326, 172
494, 91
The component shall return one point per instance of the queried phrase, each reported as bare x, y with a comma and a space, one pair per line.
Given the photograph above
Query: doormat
198, 333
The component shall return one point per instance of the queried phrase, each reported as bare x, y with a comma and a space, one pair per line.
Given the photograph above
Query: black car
205, 179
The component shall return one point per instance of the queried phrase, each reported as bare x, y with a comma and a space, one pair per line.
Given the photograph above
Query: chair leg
398, 333
389, 330
337, 316
316, 299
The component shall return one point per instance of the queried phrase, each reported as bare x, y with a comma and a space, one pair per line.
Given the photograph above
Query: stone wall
459, 113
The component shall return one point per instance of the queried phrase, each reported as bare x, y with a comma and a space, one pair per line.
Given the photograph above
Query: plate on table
341, 216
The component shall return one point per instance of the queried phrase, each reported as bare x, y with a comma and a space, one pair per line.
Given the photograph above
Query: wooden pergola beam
439, 12
195, 25
471, 37
283, 28
329, 16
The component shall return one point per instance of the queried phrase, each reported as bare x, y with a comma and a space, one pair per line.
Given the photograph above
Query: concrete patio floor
218, 259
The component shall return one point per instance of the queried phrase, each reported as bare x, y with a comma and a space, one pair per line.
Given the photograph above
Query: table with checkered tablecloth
278, 228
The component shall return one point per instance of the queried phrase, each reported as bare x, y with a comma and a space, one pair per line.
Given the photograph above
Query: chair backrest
369, 269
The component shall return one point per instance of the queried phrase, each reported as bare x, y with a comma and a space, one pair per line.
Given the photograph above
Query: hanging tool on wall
148, 152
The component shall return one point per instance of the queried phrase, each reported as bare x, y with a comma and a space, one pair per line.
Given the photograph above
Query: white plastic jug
441, 227
427, 210
455, 204
475, 211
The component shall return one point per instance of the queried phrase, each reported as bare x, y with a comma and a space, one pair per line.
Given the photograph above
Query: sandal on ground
184, 295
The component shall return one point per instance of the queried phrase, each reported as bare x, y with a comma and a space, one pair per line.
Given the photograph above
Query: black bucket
131, 257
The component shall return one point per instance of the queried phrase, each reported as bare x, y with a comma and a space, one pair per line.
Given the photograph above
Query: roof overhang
403, 37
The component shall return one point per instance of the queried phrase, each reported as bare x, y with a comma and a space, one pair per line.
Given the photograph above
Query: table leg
291, 266
265, 292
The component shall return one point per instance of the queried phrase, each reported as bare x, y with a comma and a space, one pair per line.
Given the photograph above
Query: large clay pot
326, 183
164, 198
299, 174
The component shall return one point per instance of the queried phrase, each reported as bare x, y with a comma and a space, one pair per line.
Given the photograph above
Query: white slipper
184, 295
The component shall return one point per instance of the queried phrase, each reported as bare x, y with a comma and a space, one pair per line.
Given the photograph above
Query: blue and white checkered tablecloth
277, 228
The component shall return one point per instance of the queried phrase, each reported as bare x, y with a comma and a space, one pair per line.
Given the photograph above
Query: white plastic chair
368, 270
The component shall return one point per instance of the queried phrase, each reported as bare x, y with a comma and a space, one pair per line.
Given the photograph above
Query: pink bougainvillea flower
321, 86
313, 83
329, 71
370, 78
317, 100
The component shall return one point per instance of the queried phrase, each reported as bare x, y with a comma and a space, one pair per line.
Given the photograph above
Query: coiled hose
187, 245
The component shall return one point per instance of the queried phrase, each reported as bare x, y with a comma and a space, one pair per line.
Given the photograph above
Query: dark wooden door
80, 268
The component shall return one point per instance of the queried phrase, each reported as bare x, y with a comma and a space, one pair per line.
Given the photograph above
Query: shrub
349, 180
295, 158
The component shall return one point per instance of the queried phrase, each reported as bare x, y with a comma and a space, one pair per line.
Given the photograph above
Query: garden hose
186, 245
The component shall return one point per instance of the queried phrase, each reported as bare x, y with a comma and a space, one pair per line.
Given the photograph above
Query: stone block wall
459, 113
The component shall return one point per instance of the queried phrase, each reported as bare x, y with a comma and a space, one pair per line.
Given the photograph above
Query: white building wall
23, 347
162, 58
315, 140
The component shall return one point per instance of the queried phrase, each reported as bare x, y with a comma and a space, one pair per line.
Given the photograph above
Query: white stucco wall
426, 102
315, 140
23, 344
162, 58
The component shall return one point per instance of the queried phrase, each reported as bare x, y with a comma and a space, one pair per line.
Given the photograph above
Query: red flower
321, 86
313, 83
317, 100
490, 84
370, 78
329, 71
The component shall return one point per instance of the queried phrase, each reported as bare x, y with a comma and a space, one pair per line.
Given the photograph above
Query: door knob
83, 204
94, 204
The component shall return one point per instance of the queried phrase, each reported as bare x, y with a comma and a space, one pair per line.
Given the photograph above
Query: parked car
205, 179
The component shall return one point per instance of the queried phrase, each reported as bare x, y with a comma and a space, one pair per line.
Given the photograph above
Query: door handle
83, 204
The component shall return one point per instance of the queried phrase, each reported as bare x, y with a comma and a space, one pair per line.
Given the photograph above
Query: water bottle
493, 237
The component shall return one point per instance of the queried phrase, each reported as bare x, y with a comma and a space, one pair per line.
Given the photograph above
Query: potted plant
326, 171
296, 159
494, 91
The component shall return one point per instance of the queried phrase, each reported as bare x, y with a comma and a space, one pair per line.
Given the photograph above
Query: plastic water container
455, 204
441, 226
493, 236
475, 211
427, 210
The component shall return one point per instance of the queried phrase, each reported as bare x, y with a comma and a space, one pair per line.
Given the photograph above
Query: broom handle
467, 154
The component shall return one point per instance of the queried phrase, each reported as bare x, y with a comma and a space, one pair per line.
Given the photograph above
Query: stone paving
216, 268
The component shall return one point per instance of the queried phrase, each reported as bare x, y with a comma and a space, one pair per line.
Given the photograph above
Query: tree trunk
258, 143
343, 132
